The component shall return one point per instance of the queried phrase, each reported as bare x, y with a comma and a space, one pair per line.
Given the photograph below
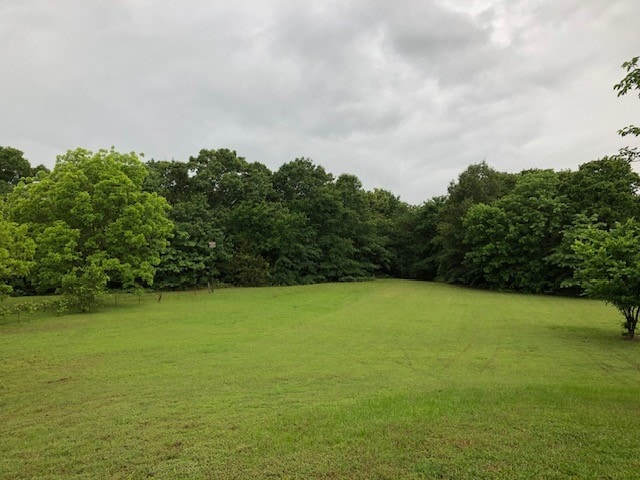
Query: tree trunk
631, 316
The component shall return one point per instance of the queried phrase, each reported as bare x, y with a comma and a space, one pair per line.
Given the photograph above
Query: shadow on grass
593, 334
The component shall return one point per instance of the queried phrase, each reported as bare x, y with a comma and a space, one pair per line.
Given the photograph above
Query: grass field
386, 379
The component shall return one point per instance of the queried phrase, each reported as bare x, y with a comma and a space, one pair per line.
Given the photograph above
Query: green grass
386, 379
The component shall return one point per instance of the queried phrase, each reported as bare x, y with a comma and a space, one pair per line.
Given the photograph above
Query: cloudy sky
404, 94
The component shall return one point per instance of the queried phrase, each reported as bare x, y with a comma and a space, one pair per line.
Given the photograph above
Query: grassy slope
388, 379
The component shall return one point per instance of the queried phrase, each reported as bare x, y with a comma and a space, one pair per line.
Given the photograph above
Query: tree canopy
608, 267
91, 222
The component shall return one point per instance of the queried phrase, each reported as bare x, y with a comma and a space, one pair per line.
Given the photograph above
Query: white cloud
403, 95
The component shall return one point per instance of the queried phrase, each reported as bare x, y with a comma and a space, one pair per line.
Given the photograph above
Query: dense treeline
515, 232
294, 226
109, 219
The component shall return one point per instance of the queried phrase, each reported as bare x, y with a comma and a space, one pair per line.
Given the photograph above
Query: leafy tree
83, 288
394, 222
608, 268
189, 261
479, 183
357, 226
565, 259
14, 167
306, 190
425, 233
16, 252
169, 179
339, 241
246, 269
90, 215
606, 188
511, 239
234, 188
299, 180
228, 180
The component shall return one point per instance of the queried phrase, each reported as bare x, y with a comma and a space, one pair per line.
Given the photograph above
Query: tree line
218, 218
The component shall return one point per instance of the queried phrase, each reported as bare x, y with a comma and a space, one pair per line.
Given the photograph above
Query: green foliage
394, 224
216, 197
247, 270
425, 238
340, 240
16, 252
511, 239
227, 180
479, 183
90, 214
563, 256
14, 167
608, 267
606, 188
83, 288
58, 305
629, 83
189, 261
169, 179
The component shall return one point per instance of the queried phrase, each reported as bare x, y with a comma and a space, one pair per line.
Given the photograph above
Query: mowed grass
386, 379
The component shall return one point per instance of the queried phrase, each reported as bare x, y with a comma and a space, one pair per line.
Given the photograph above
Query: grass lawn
386, 379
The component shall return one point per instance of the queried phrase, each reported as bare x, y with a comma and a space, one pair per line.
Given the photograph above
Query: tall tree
92, 222
340, 242
228, 180
511, 239
425, 242
170, 179
306, 190
197, 249
395, 224
230, 185
358, 228
479, 183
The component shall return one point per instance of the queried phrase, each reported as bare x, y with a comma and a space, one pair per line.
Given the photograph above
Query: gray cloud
405, 95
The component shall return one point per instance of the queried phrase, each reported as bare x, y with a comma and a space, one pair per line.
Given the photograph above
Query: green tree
394, 222
90, 215
170, 179
339, 241
14, 167
228, 180
608, 268
425, 233
235, 190
606, 188
306, 190
479, 183
511, 239
357, 227
189, 260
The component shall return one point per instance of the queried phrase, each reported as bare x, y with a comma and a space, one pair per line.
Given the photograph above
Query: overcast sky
404, 94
